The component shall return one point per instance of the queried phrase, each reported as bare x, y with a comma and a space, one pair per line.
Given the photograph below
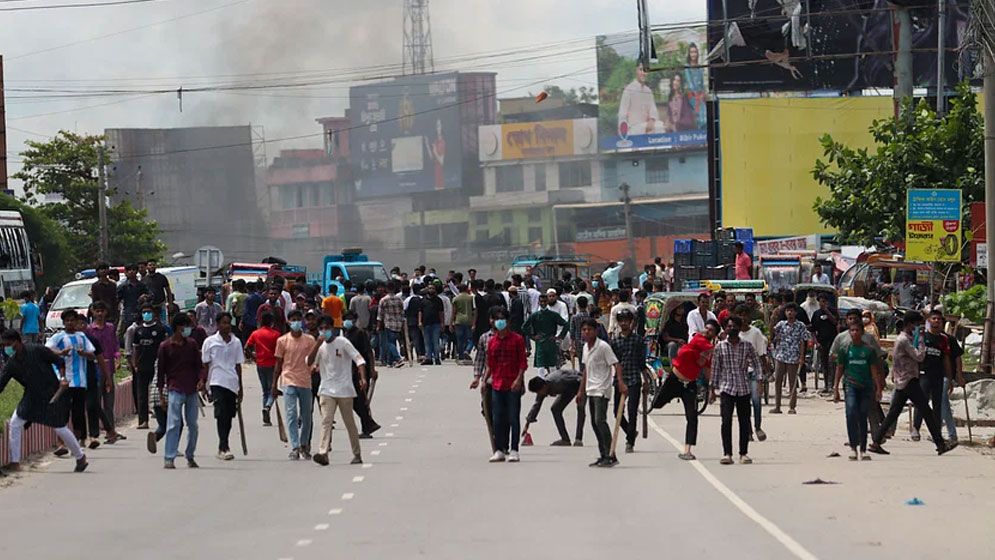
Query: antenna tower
418, 57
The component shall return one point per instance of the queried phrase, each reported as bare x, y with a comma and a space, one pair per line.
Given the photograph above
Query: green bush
969, 304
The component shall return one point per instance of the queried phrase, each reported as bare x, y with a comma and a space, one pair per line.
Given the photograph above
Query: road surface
427, 491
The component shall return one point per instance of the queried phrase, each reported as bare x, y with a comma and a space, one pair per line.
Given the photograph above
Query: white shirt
533, 300
613, 328
571, 301
755, 337
561, 308
820, 279
335, 361
287, 302
599, 361
222, 358
810, 306
696, 323
447, 310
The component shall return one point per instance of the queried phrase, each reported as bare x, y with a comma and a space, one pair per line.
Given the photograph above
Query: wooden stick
282, 430
241, 429
967, 411
407, 346
486, 409
618, 423
646, 409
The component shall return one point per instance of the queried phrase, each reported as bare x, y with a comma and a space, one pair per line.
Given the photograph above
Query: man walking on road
105, 290
753, 335
908, 354
31, 365
262, 345
630, 349
790, 340
207, 312
463, 309
506, 365
390, 319
76, 349
360, 340
182, 373
222, 355
333, 306
335, 356
30, 318
600, 366
105, 333
274, 306
731, 363
292, 350
937, 368
864, 383
545, 327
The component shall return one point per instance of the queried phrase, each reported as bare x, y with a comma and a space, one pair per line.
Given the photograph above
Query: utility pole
903, 60
989, 105
941, 56
102, 203
627, 207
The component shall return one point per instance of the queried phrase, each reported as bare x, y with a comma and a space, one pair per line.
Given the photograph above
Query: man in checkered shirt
731, 363
630, 349
480, 374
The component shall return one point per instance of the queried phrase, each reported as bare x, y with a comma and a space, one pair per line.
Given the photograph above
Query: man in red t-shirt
693, 359
262, 346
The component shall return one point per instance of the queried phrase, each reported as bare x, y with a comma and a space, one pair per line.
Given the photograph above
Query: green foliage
573, 95
66, 166
48, 238
969, 304
11, 308
916, 150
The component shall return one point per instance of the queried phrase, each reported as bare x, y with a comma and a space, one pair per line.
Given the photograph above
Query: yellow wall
769, 147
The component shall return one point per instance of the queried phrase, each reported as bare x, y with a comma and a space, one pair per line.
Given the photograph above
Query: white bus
15, 256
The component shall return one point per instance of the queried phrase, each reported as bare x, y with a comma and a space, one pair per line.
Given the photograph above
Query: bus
16, 257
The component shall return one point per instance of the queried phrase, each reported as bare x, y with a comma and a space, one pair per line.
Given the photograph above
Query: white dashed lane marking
404, 409
388, 434
321, 527
348, 496
304, 542
398, 418
383, 444
394, 425
358, 478
368, 465
336, 511
375, 452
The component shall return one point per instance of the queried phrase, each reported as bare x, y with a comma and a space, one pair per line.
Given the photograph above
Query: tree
65, 169
48, 238
916, 150
573, 95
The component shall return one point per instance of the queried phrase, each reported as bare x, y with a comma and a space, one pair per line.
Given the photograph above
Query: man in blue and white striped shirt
75, 348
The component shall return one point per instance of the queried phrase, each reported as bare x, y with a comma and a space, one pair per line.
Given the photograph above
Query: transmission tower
418, 57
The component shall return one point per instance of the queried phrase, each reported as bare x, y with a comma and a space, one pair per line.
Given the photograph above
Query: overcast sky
167, 44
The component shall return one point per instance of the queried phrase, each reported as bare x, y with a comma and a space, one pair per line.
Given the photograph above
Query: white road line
394, 425
336, 511
424, 369
304, 542
358, 478
412, 392
404, 409
789, 543
383, 444
375, 452
408, 400
321, 527
369, 465
348, 496
398, 418
388, 434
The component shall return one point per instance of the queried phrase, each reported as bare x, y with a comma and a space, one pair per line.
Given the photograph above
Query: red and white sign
775, 246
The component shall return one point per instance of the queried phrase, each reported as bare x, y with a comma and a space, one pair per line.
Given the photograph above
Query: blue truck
350, 265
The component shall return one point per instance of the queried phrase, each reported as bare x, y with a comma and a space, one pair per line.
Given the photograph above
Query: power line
83, 5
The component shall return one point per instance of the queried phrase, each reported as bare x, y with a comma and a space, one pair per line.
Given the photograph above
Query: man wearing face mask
145, 341
292, 350
182, 373
506, 365
222, 355
361, 341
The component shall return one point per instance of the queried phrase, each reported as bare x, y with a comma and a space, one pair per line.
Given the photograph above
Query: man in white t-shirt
334, 356
623, 304
554, 303
223, 356
600, 366
700, 315
754, 336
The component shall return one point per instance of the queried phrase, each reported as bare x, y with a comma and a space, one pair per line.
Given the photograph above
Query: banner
933, 223
664, 108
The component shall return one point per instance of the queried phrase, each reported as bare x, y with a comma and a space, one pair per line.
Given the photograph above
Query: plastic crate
683, 259
744, 234
689, 273
683, 246
726, 253
714, 273
703, 248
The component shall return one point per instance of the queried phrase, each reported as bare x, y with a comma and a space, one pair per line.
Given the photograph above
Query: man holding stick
223, 356
480, 377
335, 355
599, 363
506, 365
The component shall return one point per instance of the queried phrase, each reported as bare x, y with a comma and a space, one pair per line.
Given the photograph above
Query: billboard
839, 45
538, 140
661, 109
932, 225
406, 135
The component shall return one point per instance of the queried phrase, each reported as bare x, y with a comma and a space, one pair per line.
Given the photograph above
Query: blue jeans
755, 389
388, 347
463, 341
299, 407
431, 333
506, 411
948, 413
189, 407
858, 404
266, 380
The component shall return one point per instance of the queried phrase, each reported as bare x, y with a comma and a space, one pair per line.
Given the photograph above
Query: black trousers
559, 405
225, 408
77, 411
94, 405
141, 387
673, 387
629, 425
599, 421
742, 406
362, 408
912, 392
932, 387
828, 374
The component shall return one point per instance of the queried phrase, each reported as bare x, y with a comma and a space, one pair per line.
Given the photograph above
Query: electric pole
903, 60
627, 207
941, 56
102, 203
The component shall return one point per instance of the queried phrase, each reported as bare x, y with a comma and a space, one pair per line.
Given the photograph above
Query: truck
352, 265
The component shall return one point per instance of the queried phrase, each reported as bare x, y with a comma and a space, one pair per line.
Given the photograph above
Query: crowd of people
313, 348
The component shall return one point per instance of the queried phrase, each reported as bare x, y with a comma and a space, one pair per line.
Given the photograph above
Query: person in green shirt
464, 319
545, 327
235, 304
858, 364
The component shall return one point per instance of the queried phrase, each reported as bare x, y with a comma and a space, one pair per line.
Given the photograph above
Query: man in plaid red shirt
506, 365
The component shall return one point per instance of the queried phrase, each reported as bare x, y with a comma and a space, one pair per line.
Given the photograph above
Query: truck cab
350, 265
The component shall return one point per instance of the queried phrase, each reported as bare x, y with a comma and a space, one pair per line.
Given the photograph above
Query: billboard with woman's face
660, 109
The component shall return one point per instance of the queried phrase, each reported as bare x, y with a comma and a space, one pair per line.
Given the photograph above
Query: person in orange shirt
333, 306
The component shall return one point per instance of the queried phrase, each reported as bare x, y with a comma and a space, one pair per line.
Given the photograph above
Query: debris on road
819, 481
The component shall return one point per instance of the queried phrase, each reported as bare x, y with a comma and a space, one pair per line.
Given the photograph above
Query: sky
168, 44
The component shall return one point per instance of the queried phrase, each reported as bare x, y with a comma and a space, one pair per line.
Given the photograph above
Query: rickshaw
658, 308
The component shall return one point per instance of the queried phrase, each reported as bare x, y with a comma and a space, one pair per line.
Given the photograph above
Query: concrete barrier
41, 439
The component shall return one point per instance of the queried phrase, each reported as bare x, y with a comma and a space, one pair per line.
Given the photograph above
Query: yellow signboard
932, 226
537, 140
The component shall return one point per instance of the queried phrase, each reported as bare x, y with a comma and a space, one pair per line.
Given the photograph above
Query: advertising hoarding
661, 109
841, 45
406, 136
538, 140
932, 225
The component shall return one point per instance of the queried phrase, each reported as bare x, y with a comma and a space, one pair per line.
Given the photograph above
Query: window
575, 174
657, 171
535, 235
540, 175
314, 192
506, 235
302, 231
535, 214
482, 235
609, 174
506, 217
288, 197
480, 219
509, 178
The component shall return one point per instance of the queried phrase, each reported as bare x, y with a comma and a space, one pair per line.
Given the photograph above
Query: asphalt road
428, 491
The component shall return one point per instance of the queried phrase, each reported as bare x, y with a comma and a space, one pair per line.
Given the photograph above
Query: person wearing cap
554, 304
545, 327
